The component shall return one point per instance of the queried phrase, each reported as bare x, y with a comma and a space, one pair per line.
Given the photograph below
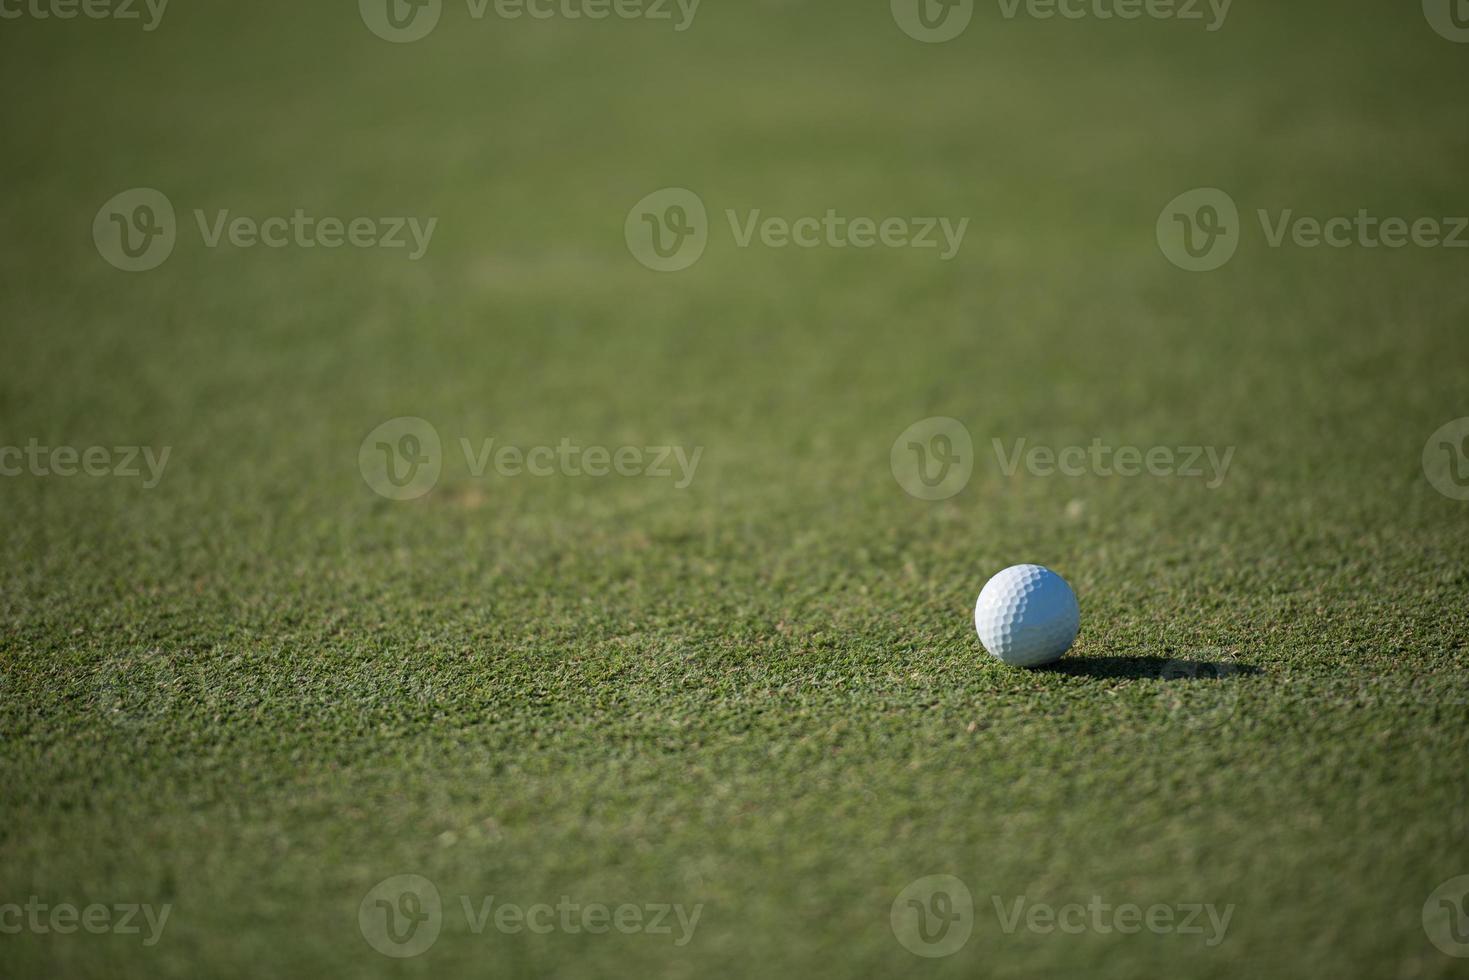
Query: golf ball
1027, 616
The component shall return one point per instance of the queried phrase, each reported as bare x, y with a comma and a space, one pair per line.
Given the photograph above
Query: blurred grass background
259, 689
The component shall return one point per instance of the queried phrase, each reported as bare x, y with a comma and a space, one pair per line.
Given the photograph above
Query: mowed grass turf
258, 689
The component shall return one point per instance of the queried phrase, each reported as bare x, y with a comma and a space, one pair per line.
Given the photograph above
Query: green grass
258, 689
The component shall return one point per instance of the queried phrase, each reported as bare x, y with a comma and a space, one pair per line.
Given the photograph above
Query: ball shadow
1151, 667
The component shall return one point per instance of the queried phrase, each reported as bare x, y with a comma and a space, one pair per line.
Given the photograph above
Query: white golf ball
1027, 616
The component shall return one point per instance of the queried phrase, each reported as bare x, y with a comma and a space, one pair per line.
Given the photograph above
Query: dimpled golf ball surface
1027, 615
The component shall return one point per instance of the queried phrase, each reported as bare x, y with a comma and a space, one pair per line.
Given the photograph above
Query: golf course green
510, 501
